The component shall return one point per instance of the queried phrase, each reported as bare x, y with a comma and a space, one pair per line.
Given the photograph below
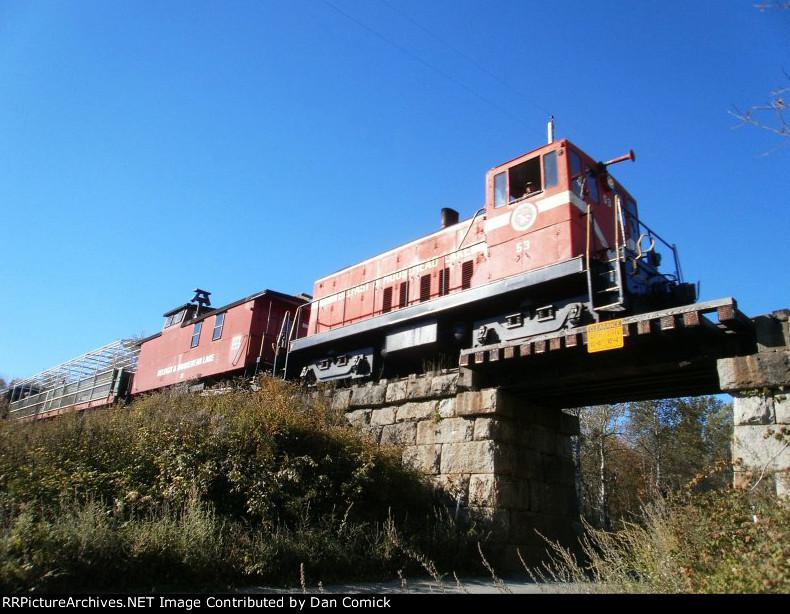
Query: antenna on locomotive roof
551, 130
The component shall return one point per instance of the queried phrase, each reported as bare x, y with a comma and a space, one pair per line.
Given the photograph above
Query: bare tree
600, 426
776, 4
769, 116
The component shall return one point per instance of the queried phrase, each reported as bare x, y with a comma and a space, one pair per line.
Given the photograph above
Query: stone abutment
760, 386
501, 459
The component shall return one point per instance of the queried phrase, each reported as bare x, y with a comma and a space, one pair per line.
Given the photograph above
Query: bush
178, 490
725, 541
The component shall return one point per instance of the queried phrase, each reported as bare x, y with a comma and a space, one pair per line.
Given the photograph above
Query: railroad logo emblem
524, 217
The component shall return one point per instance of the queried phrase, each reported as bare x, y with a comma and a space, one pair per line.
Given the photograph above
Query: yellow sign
605, 336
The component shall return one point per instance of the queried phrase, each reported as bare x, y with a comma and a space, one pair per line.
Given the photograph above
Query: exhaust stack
449, 217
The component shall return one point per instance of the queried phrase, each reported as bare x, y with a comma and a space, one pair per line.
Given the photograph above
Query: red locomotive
559, 243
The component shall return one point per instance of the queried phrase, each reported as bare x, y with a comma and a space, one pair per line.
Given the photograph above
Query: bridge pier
760, 386
494, 436
502, 460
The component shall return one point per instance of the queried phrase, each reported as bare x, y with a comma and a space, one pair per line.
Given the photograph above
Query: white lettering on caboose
185, 365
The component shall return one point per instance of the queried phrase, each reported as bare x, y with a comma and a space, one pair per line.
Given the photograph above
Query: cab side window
550, 177
500, 189
592, 186
576, 172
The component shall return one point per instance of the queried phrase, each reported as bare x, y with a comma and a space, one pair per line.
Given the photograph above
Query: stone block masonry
497, 456
760, 386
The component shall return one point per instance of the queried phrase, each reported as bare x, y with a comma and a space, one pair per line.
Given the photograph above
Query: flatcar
94, 380
559, 243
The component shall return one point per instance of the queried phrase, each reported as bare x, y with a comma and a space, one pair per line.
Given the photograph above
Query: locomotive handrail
642, 253
471, 223
654, 236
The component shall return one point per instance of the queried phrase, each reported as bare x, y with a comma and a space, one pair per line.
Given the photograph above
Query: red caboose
201, 343
558, 243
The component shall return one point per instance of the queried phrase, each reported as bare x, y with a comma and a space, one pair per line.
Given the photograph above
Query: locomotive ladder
605, 276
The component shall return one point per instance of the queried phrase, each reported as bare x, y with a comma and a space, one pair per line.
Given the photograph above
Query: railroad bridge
496, 434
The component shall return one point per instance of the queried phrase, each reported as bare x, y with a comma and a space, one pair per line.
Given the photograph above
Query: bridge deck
667, 353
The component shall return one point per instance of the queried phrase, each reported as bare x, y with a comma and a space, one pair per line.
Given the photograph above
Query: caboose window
550, 178
196, 334
174, 319
500, 189
386, 306
525, 179
219, 321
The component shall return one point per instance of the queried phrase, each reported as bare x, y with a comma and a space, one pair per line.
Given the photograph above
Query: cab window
576, 172
592, 186
500, 189
632, 218
550, 178
525, 179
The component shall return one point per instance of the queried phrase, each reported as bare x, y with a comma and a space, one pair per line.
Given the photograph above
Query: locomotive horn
629, 156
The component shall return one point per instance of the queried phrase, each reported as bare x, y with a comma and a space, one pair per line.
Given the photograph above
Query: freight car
96, 379
559, 243
197, 345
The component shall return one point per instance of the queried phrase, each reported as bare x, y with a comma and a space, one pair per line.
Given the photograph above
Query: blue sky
148, 148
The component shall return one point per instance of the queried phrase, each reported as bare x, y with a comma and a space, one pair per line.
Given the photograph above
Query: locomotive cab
556, 203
